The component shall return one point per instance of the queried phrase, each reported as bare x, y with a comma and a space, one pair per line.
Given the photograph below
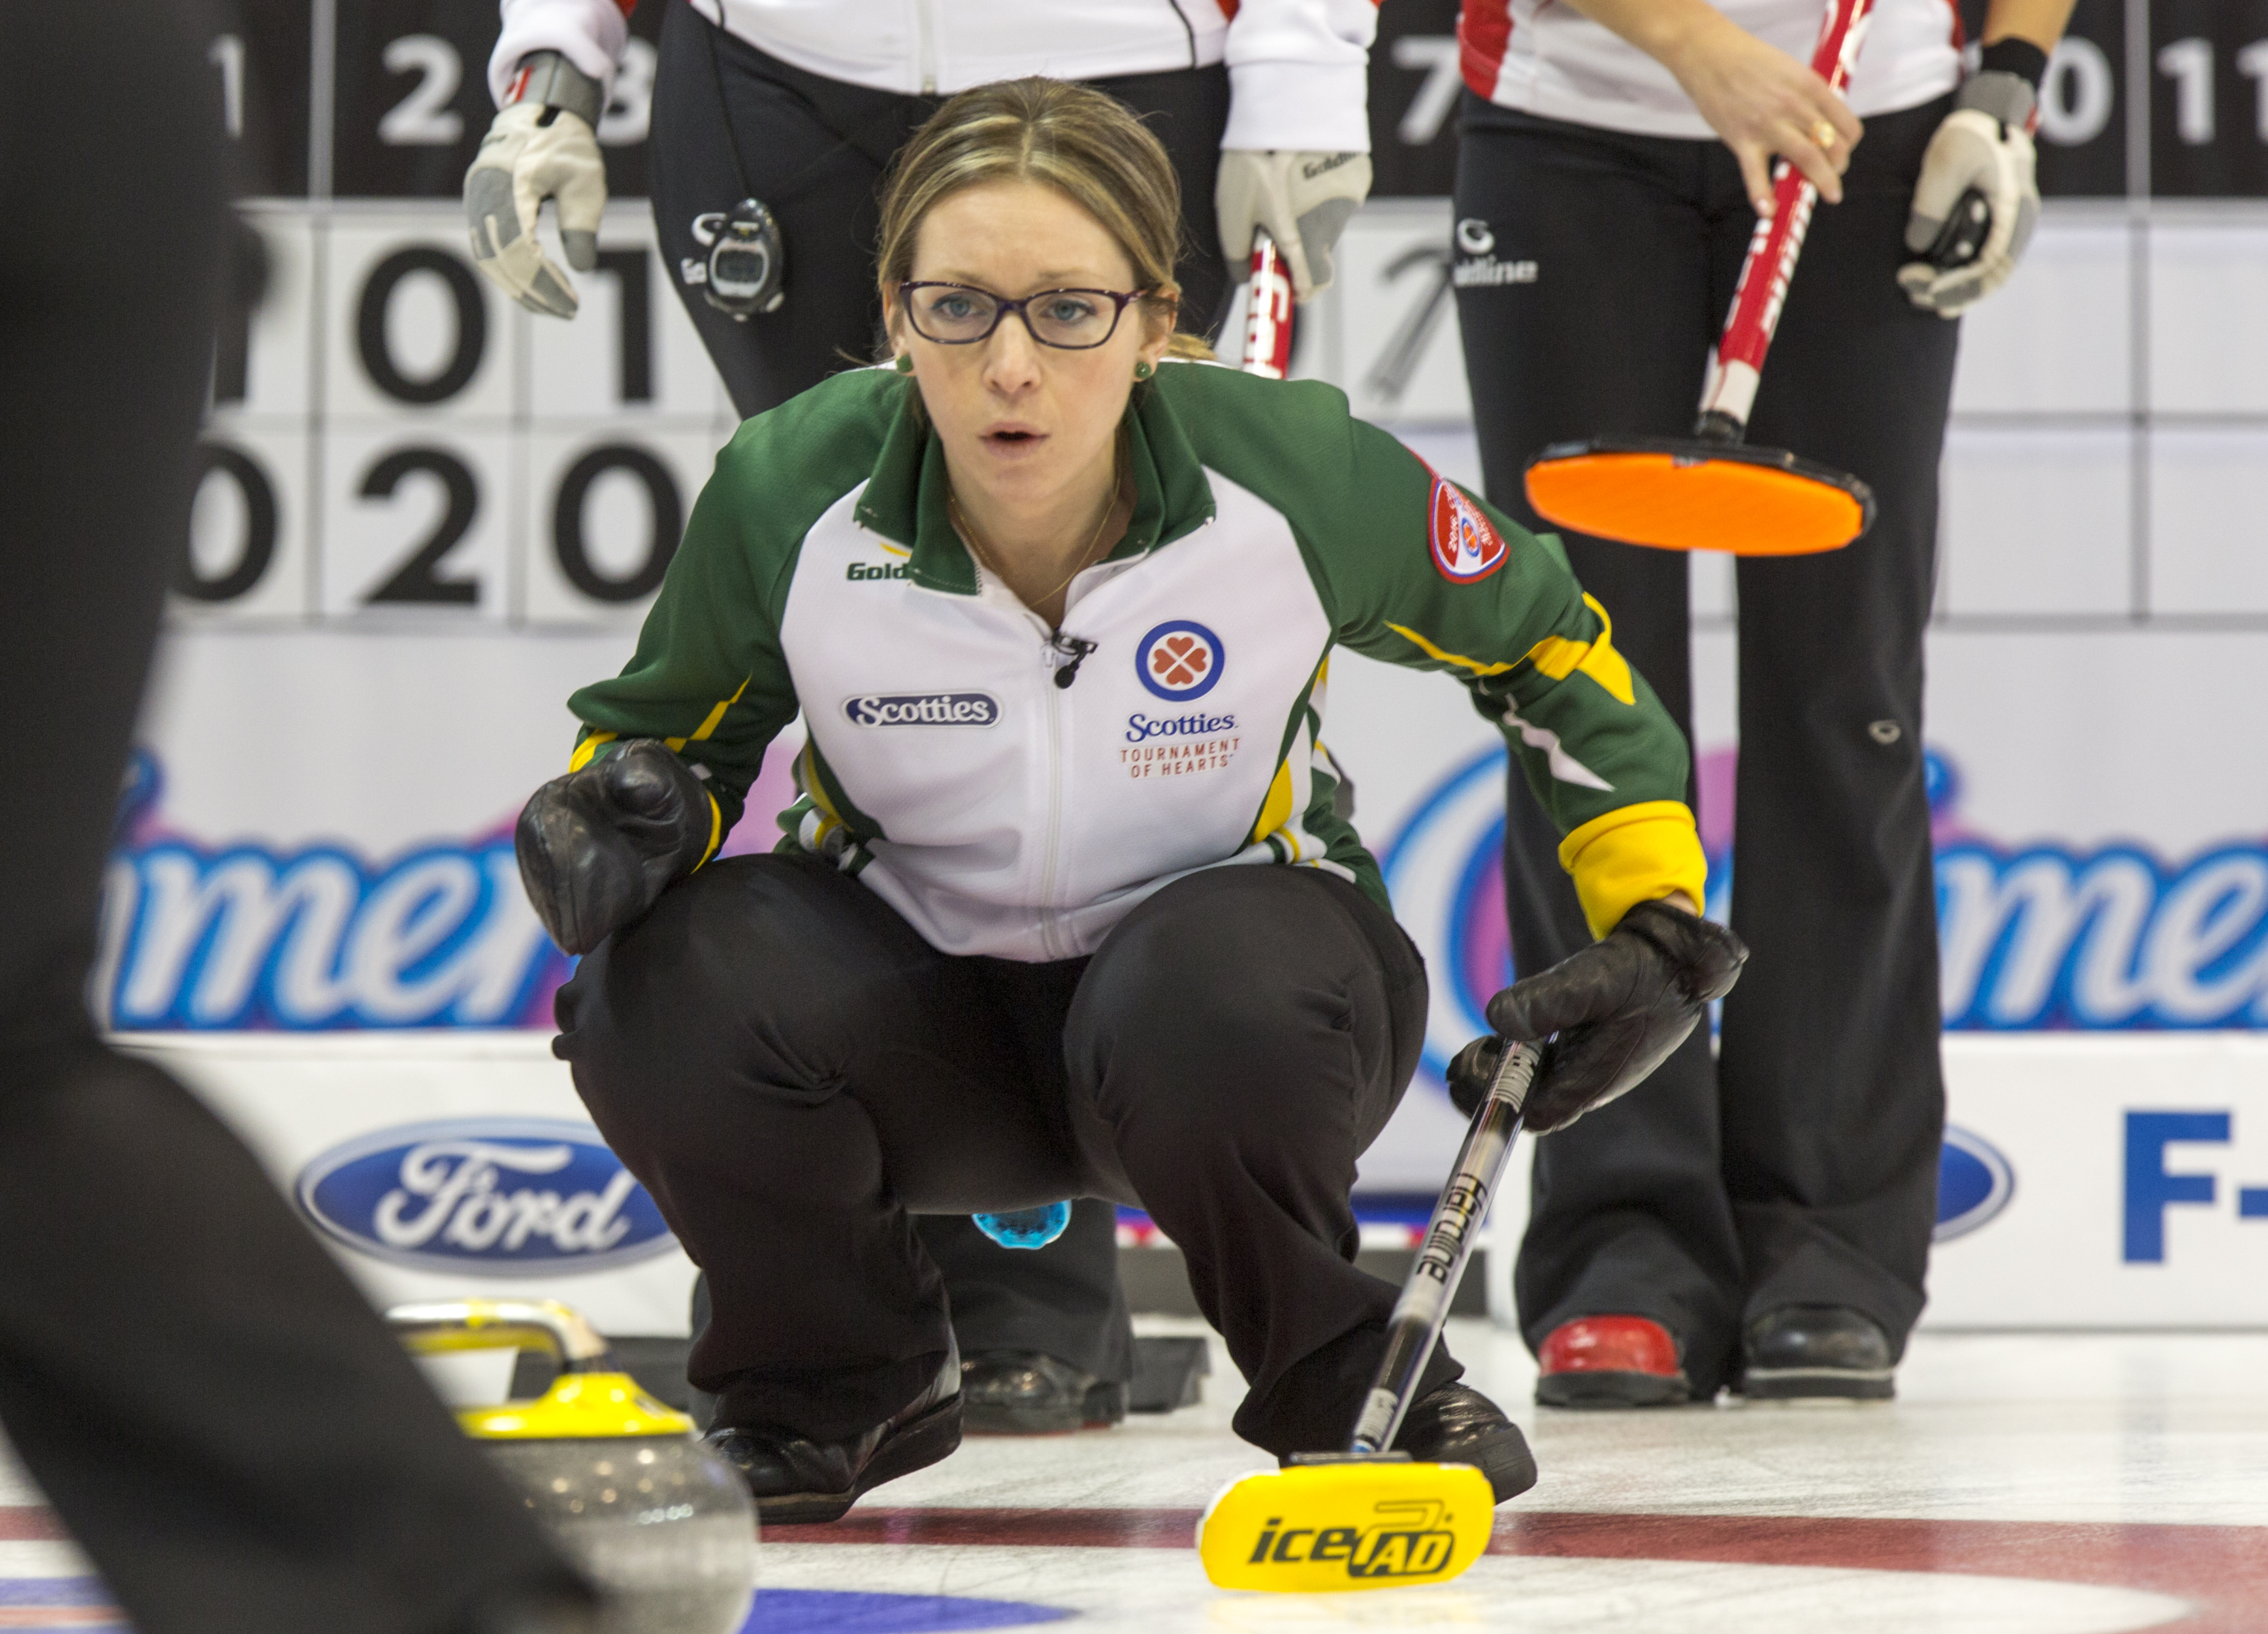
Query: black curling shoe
794, 1480
1457, 1425
1022, 1392
1817, 1352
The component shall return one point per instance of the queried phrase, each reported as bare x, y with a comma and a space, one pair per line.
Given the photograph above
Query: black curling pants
1064, 1300
1800, 1167
795, 1075
220, 1419
730, 120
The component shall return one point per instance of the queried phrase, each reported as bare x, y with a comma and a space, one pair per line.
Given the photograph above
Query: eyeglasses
961, 314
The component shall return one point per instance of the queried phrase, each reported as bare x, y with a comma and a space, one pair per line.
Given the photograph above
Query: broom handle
1268, 312
1415, 1324
1779, 240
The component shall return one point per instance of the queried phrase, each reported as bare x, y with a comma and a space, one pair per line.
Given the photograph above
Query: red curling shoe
1609, 1362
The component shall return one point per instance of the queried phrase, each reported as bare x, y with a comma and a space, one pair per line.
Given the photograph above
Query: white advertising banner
2103, 1182
429, 516
2088, 1182
439, 1165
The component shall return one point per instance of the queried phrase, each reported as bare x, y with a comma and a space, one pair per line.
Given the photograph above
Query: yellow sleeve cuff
588, 749
1634, 854
717, 832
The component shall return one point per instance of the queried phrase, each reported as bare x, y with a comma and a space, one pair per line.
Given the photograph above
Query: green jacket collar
904, 500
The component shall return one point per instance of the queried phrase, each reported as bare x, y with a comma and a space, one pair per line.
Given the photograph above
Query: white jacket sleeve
1297, 75
590, 33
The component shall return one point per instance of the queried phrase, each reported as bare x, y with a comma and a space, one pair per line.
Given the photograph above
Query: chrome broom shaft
1423, 1306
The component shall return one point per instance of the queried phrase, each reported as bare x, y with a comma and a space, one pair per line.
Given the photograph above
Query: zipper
1053, 656
1058, 653
926, 25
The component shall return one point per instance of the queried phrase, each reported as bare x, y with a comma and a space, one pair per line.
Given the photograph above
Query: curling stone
661, 1524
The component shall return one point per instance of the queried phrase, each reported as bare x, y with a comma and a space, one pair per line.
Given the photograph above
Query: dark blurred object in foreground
222, 1422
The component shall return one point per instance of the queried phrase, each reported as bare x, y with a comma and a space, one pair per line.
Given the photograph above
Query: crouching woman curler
1065, 909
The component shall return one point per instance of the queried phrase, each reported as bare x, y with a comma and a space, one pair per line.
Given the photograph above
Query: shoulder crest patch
1465, 546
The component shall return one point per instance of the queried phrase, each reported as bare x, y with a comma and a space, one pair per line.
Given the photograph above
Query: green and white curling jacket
1008, 801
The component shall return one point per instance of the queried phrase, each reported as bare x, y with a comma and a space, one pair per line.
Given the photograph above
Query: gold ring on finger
1823, 133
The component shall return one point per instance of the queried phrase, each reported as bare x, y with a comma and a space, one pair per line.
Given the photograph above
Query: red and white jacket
1544, 57
1296, 67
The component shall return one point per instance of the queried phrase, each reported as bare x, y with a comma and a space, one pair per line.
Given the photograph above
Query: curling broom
1267, 311
1368, 1517
1712, 492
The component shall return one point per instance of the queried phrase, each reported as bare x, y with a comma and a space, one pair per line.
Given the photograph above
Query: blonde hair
1081, 142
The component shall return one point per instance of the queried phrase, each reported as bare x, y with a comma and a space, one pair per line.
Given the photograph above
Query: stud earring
1143, 371
905, 364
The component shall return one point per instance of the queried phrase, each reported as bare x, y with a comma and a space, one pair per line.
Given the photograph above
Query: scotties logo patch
1179, 660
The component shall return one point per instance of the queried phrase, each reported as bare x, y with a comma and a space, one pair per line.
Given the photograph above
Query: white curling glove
1985, 143
1303, 199
544, 144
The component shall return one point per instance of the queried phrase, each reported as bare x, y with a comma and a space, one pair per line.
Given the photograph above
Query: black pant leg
220, 1419
814, 151
1628, 1213
1187, 109
1236, 1043
730, 120
223, 1422
1834, 1103
1064, 1300
791, 1071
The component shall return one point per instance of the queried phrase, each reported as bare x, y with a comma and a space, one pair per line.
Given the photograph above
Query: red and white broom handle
1762, 289
1268, 311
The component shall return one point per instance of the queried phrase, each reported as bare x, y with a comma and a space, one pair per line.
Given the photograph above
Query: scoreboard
391, 433
2164, 98
391, 439
388, 99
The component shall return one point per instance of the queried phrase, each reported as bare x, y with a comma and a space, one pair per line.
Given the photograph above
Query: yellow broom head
1355, 1525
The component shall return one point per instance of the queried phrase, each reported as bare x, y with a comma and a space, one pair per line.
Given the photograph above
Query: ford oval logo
484, 1197
1974, 1183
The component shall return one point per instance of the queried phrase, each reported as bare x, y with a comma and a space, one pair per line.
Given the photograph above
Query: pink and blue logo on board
2042, 935
1445, 872
263, 934
1179, 660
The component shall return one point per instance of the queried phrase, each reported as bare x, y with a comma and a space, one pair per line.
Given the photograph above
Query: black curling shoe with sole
1818, 1353
1022, 1392
794, 1480
1457, 1425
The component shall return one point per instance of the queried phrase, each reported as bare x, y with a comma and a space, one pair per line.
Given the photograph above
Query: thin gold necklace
1080, 564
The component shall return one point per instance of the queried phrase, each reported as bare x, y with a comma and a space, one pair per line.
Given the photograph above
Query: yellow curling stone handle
590, 1400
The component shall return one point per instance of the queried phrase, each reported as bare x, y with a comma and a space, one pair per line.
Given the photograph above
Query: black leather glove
1611, 1013
597, 846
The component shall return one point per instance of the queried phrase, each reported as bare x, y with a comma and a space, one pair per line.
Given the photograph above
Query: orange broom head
1681, 494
